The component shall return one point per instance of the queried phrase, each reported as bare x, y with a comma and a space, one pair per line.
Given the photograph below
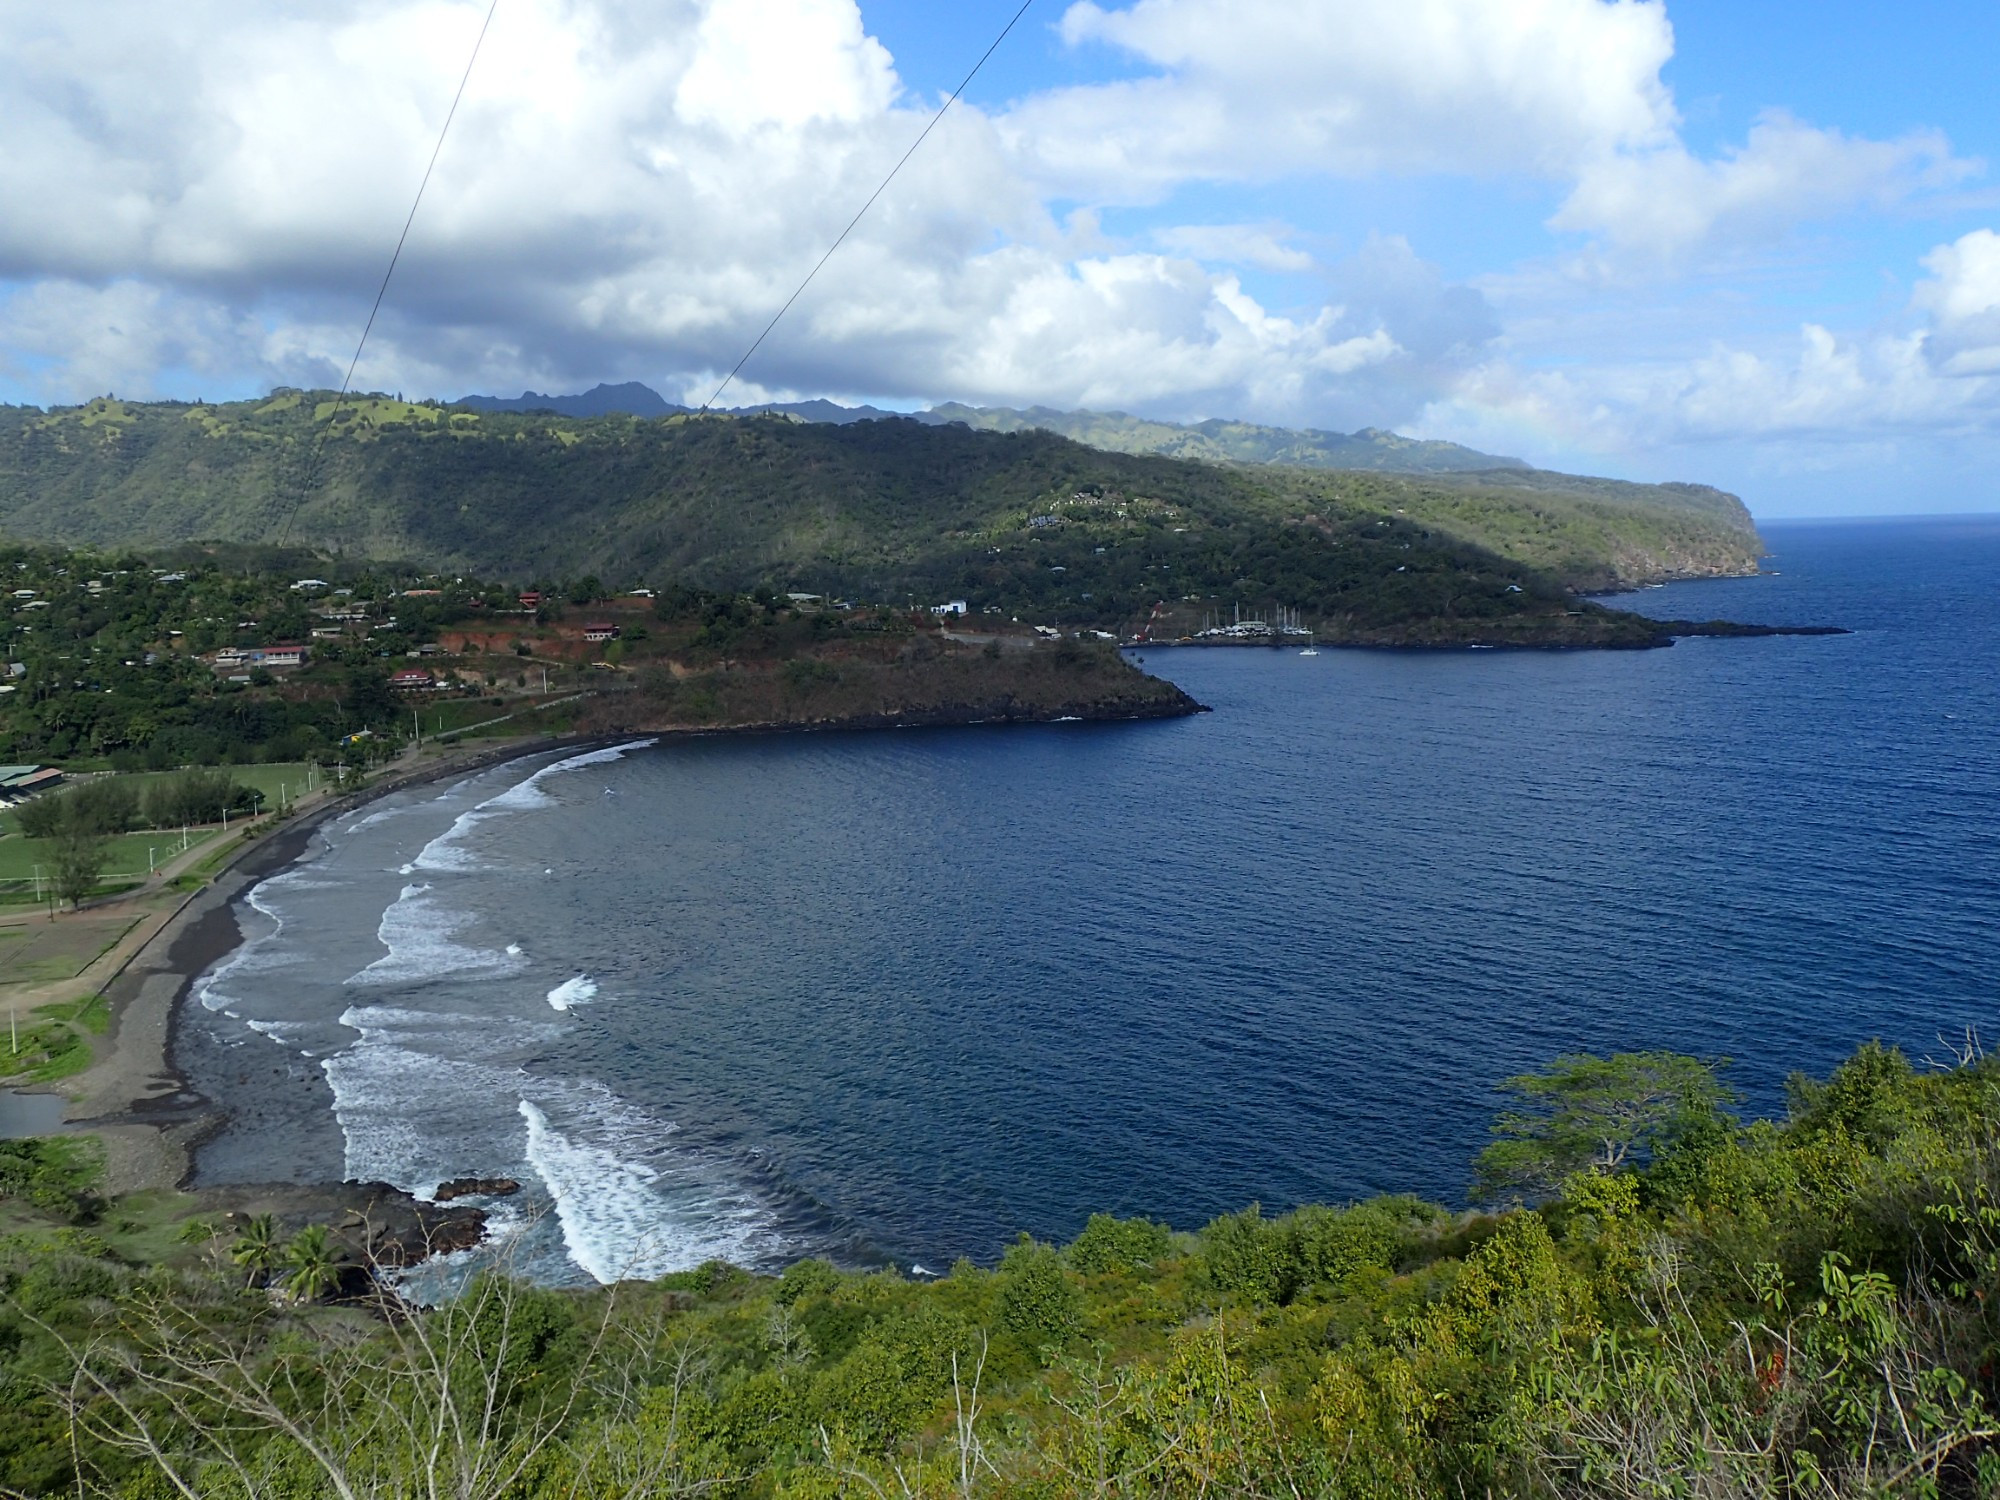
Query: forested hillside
879, 510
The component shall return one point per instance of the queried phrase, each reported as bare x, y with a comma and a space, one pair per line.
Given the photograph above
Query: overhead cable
883, 187
340, 401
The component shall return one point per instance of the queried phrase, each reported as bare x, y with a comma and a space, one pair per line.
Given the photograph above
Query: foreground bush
1803, 1308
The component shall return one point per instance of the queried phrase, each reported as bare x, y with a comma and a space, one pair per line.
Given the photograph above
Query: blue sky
1749, 243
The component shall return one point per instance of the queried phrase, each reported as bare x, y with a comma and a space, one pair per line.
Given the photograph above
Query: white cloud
1963, 299
630, 189
764, 62
1264, 88
122, 336
1833, 392
1665, 202
1567, 92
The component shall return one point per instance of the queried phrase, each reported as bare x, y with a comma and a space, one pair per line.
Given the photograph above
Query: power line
340, 401
963, 84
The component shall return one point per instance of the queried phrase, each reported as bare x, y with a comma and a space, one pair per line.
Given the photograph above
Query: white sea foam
380, 815
251, 956
622, 1218
413, 1117
573, 992
419, 934
447, 852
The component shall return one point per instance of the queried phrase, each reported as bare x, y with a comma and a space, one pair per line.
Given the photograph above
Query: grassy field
289, 776
44, 952
131, 856
127, 856
52, 1042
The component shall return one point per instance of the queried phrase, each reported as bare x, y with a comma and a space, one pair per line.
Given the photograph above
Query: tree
79, 860
256, 1248
311, 1268
1586, 1113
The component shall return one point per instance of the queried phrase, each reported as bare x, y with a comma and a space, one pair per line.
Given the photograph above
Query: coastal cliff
931, 681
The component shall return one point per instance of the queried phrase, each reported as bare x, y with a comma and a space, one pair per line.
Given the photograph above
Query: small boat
1310, 651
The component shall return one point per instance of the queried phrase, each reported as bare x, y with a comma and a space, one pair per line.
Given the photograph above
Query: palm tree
256, 1249
311, 1267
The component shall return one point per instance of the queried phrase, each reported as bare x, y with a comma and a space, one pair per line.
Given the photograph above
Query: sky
1746, 243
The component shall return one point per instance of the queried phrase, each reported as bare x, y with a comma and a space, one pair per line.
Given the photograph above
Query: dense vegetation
106, 656
881, 511
1693, 1307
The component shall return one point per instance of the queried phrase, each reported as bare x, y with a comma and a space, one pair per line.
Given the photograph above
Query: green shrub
1038, 1305
57, 1174
1247, 1254
806, 1279
1114, 1244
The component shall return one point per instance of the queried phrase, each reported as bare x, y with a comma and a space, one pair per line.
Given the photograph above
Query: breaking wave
447, 852
573, 992
419, 933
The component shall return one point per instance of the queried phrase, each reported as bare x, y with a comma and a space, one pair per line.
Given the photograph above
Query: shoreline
135, 1097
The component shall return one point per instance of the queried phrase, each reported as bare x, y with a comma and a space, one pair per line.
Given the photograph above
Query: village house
18, 782
281, 657
413, 680
600, 630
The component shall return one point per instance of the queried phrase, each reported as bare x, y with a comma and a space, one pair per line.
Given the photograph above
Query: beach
133, 1096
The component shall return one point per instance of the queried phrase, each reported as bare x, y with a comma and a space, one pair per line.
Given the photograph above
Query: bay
896, 997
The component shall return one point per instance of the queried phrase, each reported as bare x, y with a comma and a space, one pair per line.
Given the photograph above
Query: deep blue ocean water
900, 996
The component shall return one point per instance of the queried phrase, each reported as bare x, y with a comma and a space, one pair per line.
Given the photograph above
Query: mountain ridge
1216, 440
895, 511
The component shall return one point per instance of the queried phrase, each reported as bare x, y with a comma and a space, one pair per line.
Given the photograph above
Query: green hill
1027, 522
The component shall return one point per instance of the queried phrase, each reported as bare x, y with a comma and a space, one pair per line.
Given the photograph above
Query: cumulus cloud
1564, 91
1262, 88
1962, 297
631, 188
1262, 246
1935, 377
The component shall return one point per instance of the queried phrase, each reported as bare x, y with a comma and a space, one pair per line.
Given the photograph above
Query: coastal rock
475, 1187
372, 1223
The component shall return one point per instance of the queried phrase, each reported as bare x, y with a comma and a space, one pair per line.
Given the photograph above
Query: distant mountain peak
628, 398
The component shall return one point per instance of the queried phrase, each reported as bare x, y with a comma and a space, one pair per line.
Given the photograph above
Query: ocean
896, 997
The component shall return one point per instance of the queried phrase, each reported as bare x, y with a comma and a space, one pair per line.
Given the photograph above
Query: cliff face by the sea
932, 685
